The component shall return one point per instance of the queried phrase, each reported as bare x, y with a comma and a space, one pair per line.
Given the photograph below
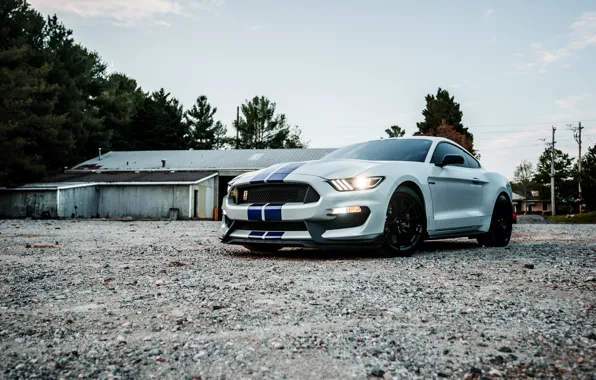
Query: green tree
221, 139
158, 124
523, 176
395, 131
118, 104
442, 109
588, 178
29, 125
295, 139
261, 128
565, 174
79, 75
201, 124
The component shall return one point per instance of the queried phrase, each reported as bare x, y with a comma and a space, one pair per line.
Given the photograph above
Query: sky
345, 70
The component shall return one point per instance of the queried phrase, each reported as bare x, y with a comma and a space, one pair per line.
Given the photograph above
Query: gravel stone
170, 301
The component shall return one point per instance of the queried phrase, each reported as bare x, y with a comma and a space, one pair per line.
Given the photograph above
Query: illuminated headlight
357, 183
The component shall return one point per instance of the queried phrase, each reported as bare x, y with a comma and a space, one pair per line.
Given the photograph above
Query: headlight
357, 183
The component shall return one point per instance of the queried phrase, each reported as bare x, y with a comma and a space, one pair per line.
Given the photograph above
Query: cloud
487, 14
456, 85
255, 27
127, 12
571, 102
581, 36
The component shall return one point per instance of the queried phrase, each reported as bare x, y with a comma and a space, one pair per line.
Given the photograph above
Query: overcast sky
345, 70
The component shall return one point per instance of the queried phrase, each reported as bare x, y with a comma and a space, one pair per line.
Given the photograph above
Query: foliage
395, 131
588, 178
523, 175
442, 110
449, 132
58, 105
29, 124
261, 128
201, 124
565, 175
159, 120
118, 103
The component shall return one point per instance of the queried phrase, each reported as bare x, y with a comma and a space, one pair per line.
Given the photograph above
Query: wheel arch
413, 185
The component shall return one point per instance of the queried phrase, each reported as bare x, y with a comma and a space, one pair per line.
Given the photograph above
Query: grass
584, 218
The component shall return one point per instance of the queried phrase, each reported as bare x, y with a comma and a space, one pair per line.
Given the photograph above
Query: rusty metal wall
79, 202
143, 201
16, 204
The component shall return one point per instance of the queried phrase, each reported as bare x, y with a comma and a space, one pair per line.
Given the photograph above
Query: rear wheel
405, 223
266, 248
501, 224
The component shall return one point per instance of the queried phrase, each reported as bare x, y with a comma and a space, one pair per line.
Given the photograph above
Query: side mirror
451, 159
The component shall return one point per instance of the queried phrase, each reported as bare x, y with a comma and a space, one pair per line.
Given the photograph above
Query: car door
456, 191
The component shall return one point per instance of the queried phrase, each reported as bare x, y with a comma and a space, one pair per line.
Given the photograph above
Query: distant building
531, 204
145, 184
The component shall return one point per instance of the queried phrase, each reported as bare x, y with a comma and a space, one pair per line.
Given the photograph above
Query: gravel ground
99, 299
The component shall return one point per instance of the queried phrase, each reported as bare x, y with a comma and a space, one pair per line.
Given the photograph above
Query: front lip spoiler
374, 242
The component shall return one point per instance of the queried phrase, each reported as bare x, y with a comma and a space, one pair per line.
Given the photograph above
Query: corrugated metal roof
242, 159
161, 176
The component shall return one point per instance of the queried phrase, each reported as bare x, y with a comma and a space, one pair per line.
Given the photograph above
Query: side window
472, 163
445, 148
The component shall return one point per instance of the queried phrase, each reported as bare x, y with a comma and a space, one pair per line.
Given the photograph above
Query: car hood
327, 169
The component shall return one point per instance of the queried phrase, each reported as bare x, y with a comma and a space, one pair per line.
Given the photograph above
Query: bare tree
524, 173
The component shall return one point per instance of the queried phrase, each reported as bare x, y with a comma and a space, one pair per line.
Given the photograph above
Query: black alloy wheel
405, 223
501, 224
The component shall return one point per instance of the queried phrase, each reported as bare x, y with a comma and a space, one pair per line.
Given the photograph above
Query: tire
501, 224
405, 223
265, 248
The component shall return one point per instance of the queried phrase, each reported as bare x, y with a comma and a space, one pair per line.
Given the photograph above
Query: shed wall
82, 202
143, 201
15, 204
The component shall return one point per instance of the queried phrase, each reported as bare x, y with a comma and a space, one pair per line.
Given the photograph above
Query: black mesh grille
278, 193
269, 226
347, 220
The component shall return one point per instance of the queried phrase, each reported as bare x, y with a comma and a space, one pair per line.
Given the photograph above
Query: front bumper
320, 228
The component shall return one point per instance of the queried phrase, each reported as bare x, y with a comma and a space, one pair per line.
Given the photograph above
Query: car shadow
356, 254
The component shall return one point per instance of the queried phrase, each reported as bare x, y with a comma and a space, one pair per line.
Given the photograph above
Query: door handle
476, 181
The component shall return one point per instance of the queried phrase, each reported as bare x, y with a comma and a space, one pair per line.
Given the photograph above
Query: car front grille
276, 193
269, 226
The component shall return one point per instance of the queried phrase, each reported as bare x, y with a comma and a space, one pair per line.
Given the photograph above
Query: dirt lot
98, 299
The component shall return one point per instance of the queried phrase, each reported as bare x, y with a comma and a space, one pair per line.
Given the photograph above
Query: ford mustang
387, 194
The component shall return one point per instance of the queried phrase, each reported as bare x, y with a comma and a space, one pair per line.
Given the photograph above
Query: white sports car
390, 194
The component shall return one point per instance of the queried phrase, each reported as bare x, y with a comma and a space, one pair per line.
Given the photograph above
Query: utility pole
237, 124
552, 174
577, 134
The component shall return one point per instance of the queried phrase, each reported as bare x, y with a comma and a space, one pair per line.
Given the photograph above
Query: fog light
346, 210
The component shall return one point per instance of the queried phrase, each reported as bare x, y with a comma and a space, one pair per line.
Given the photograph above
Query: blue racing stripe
255, 212
256, 234
274, 235
260, 178
273, 211
282, 173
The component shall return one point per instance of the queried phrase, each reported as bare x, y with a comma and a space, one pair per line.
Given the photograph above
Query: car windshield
401, 149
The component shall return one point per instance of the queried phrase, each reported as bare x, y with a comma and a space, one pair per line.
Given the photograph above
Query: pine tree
442, 109
395, 131
201, 124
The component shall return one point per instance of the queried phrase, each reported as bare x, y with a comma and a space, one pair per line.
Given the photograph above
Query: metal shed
137, 195
145, 184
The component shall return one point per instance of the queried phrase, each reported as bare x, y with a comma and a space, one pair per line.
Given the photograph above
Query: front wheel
501, 224
405, 223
